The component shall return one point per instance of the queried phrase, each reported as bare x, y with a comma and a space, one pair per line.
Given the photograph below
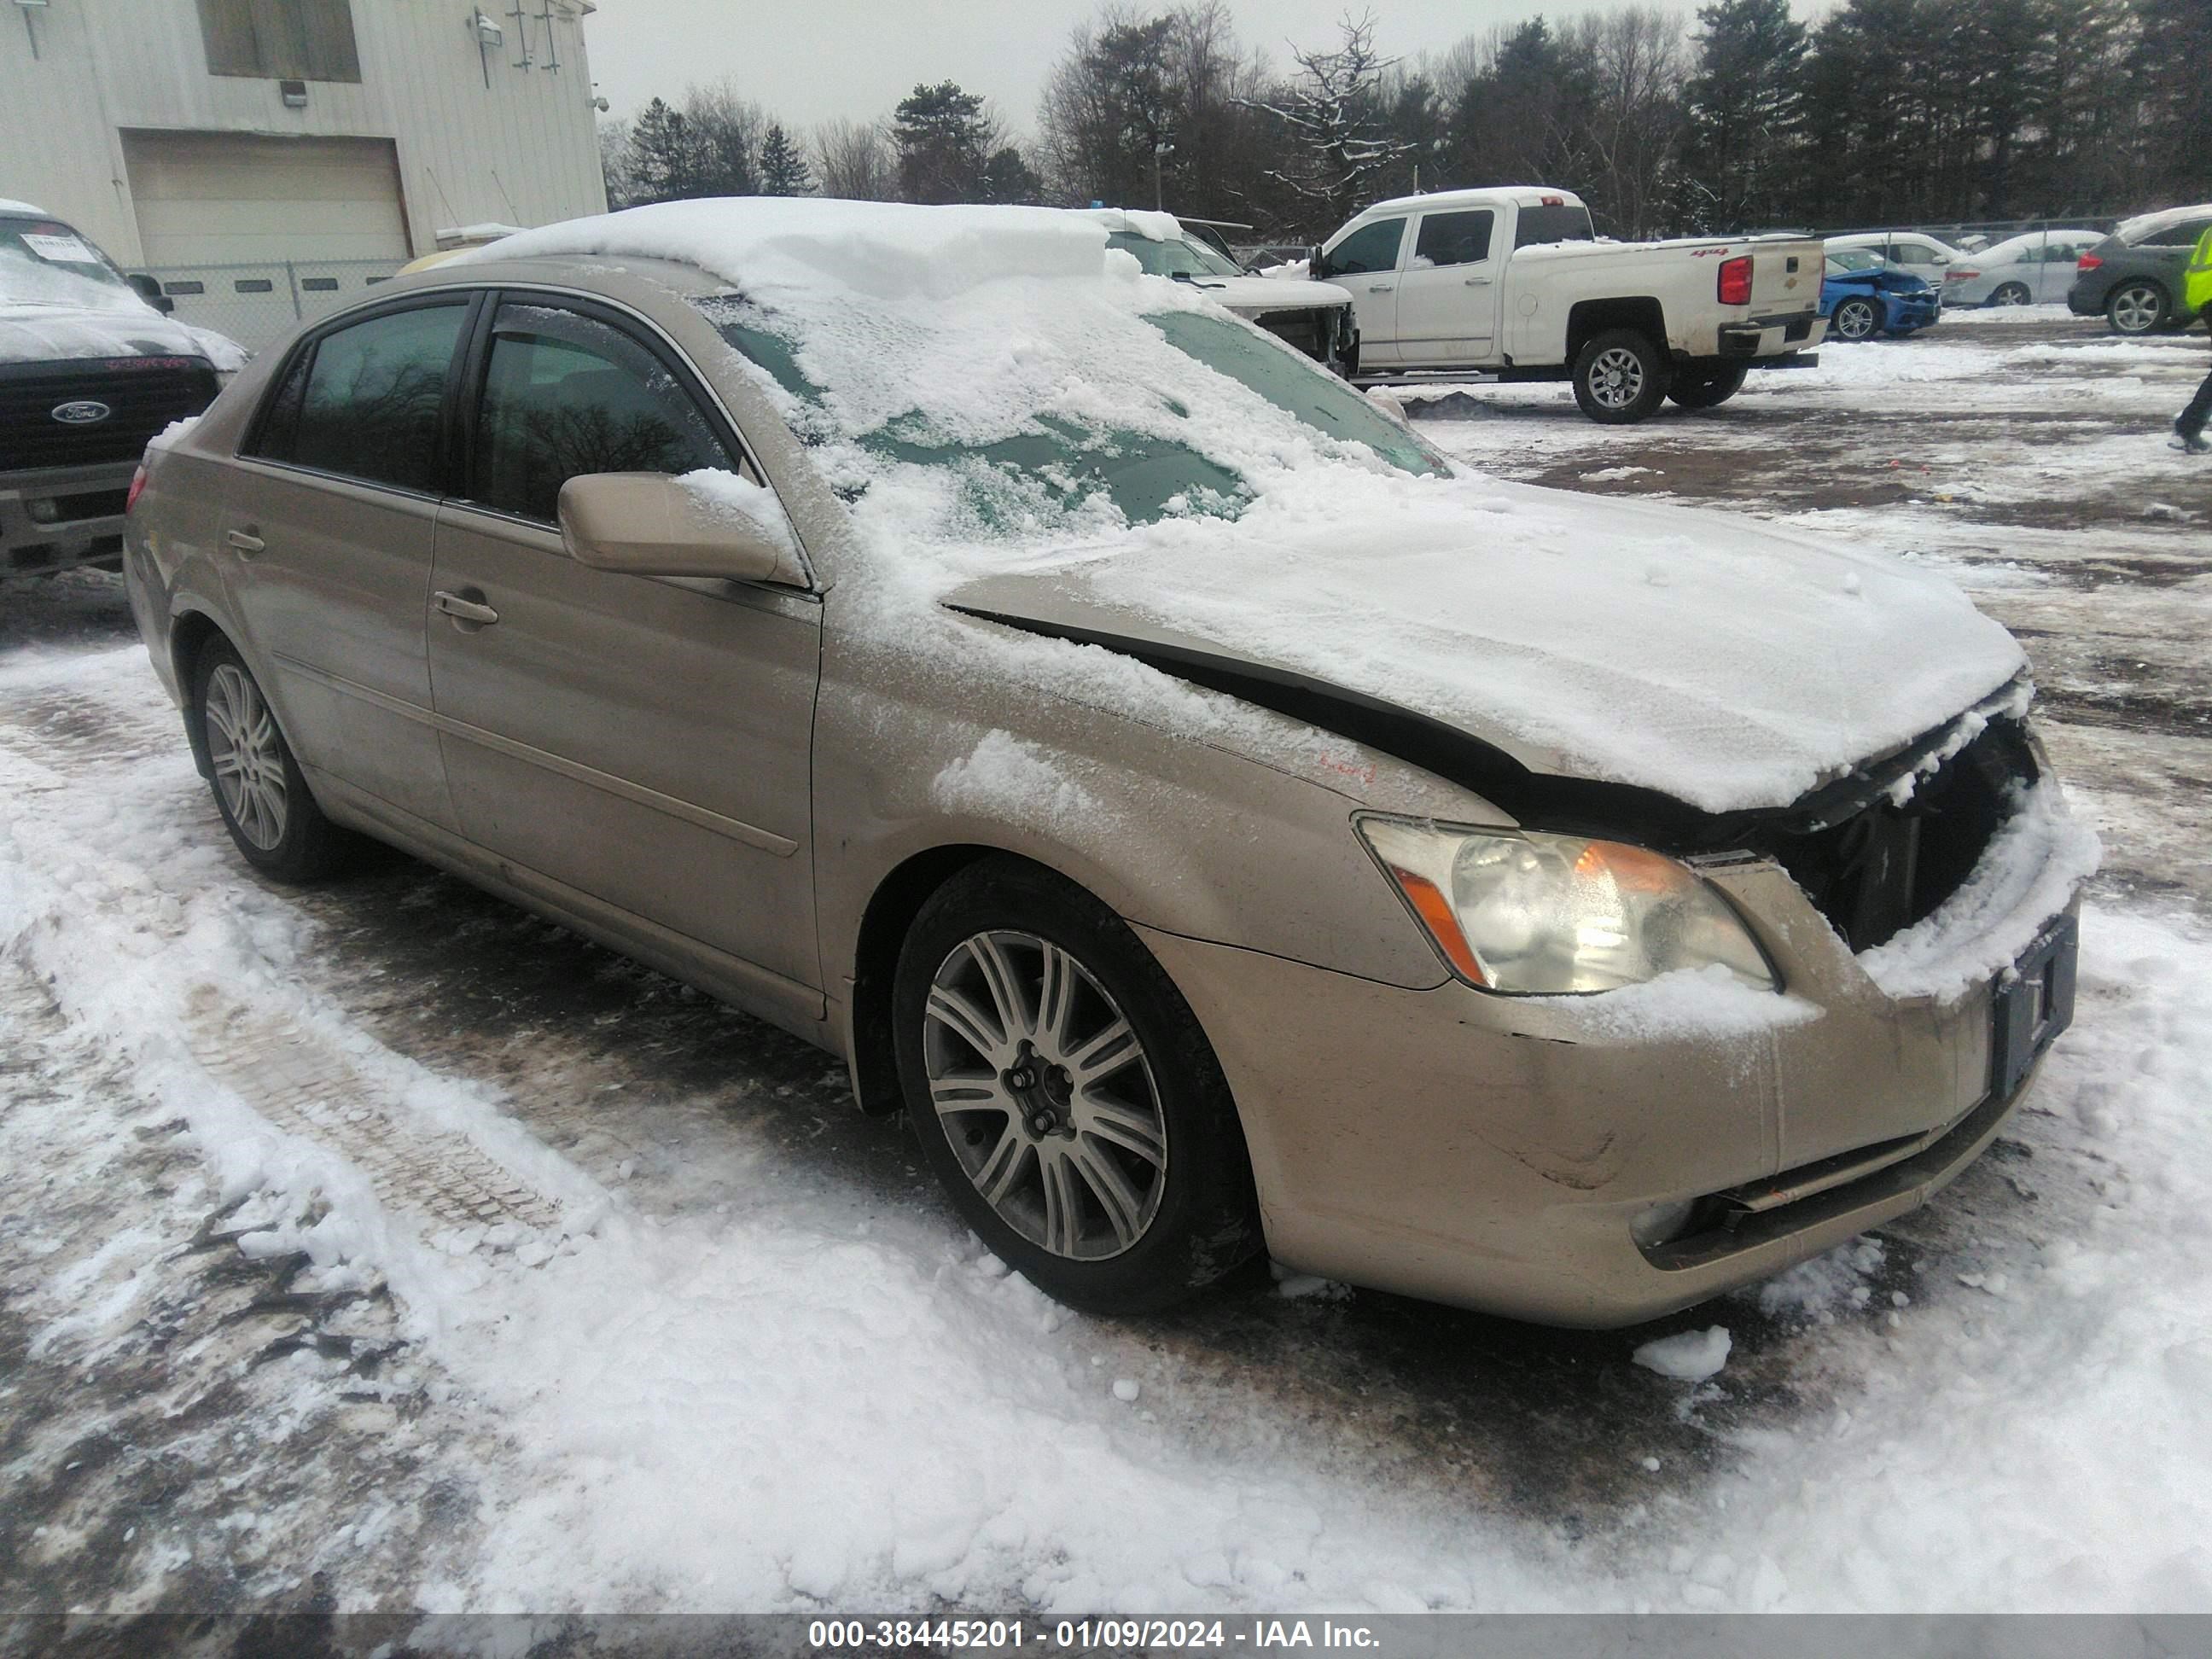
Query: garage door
221, 198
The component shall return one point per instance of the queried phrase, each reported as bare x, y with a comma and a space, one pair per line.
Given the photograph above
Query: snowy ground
382, 1248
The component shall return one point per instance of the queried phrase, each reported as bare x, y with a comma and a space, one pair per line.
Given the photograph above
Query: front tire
1855, 318
1620, 377
1707, 386
1065, 1096
256, 784
2137, 308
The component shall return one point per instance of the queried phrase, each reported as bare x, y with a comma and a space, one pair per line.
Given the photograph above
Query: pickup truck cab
1513, 281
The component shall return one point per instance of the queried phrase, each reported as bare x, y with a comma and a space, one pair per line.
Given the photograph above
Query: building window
286, 40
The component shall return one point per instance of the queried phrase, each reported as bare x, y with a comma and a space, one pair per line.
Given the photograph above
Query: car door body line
768, 841
785, 1002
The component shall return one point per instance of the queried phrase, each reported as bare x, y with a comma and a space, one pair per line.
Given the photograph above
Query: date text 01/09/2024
1087, 1635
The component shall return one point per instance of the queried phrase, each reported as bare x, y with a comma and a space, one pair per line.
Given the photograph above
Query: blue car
1862, 295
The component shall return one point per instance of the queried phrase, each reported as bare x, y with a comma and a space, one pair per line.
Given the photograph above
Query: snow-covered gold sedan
1218, 822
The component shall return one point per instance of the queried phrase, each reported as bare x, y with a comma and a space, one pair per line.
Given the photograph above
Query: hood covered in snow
1248, 296
1711, 660
34, 333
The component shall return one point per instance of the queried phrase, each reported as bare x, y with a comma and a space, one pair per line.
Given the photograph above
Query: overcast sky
818, 59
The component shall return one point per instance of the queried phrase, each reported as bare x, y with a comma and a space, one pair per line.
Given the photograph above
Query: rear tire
1707, 386
256, 784
2010, 294
2137, 307
1116, 1173
1855, 318
1620, 377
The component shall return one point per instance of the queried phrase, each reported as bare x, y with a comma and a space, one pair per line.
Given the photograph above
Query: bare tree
854, 161
1341, 145
1636, 59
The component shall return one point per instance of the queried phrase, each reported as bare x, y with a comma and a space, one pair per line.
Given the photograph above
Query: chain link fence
257, 305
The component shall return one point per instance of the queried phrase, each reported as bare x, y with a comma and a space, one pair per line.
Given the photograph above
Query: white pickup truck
1512, 281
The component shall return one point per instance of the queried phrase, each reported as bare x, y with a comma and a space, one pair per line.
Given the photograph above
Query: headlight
1537, 915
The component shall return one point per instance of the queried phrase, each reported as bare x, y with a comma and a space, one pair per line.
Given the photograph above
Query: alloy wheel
2136, 310
2011, 293
1045, 1095
247, 757
1855, 319
1616, 378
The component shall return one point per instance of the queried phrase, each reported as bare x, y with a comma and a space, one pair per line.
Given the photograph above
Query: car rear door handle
244, 541
462, 610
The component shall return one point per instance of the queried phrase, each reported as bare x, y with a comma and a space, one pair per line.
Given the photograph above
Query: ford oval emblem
83, 412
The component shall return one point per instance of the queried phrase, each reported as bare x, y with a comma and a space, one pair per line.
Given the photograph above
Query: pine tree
945, 143
1745, 104
662, 158
783, 169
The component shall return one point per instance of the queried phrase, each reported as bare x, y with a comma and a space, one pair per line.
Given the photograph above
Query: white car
1914, 252
2034, 269
1316, 318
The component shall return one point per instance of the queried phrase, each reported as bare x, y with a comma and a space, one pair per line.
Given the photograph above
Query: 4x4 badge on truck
82, 413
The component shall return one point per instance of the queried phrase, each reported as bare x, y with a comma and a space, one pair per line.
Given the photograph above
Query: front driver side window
566, 395
1370, 248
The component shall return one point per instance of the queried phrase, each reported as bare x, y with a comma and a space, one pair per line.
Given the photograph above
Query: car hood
52, 333
1693, 654
1250, 295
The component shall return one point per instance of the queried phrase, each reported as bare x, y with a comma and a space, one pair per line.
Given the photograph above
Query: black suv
2134, 275
90, 370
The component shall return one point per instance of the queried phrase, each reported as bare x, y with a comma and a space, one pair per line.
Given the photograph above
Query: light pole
1158, 149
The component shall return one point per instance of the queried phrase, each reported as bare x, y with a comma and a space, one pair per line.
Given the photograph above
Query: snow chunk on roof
8, 206
885, 249
1153, 227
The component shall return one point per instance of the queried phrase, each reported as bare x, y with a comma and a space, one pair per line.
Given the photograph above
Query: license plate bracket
2030, 1004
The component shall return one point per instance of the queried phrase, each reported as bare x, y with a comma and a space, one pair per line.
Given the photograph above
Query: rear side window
2181, 235
1539, 225
1453, 239
1371, 247
366, 402
565, 395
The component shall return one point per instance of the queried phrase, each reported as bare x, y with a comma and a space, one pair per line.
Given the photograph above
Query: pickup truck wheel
1065, 1096
257, 785
1620, 377
2137, 308
1855, 318
1707, 386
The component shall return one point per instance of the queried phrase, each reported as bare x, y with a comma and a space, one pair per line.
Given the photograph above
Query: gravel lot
379, 1247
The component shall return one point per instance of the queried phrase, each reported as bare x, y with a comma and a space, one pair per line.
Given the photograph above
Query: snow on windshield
975, 375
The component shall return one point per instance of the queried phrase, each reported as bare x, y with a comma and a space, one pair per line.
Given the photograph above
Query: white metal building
231, 145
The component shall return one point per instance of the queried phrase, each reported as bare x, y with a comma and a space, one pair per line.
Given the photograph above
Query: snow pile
1687, 1356
1531, 618
2030, 870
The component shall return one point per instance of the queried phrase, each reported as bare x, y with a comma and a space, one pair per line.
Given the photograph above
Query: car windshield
44, 262
1170, 452
1178, 256
1853, 259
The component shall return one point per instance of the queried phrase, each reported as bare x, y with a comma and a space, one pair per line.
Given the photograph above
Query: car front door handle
464, 609
1477, 281
246, 542
1379, 288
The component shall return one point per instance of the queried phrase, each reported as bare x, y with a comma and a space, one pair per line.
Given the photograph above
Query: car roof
1444, 200
481, 268
2143, 224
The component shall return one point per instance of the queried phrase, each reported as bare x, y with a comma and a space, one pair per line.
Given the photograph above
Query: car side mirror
1313, 262
647, 524
149, 289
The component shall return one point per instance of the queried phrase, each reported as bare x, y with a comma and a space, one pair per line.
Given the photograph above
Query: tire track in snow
426, 1145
